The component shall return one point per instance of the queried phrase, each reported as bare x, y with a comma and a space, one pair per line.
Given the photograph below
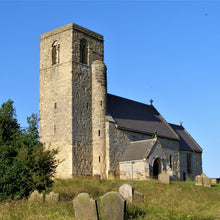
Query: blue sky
168, 51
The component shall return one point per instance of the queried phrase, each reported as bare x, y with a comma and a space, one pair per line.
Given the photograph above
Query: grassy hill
178, 200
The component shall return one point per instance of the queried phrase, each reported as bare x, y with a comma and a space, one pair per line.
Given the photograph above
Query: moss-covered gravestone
52, 197
164, 178
112, 206
36, 197
138, 197
85, 207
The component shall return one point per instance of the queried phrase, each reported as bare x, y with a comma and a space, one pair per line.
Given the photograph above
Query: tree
24, 163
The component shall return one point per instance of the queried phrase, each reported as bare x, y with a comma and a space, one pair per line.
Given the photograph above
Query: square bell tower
66, 55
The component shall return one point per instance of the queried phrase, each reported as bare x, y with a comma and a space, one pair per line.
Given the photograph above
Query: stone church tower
73, 99
100, 133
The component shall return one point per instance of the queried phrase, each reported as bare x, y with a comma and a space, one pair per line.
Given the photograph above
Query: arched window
83, 51
55, 53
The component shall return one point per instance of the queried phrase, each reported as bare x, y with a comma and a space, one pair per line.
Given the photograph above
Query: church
97, 133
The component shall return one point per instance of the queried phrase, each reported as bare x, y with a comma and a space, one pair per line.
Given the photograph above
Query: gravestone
215, 180
85, 207
198, 180
97, 177
127, 192
202, 180
52, 197
164, 178
112, 206
36, 197
111, 175
138, 197
206, 180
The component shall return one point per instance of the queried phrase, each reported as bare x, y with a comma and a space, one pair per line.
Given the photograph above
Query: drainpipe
131, 170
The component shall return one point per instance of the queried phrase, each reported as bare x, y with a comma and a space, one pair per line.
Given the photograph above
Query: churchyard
145, 200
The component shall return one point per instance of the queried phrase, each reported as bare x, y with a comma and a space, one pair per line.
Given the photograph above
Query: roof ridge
192, 139
128, 99
171, 129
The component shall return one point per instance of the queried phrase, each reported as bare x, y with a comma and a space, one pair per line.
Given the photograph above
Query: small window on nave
83, 51
55, 53
171, 162
189, 162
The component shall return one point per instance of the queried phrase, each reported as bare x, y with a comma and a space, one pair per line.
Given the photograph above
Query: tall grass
178, 200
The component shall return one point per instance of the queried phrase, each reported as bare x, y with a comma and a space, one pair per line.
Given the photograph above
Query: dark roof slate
139, 117
138, 150
186, 141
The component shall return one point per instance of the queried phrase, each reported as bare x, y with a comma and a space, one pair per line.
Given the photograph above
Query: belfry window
55, 53
83, 51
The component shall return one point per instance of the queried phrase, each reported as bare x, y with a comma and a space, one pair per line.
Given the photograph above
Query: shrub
24, 163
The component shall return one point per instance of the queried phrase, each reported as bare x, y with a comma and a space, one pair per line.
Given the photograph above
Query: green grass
178, 200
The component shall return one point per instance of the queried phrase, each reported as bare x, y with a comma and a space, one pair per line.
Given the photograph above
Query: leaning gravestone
164, 178
85, 207
127, 192
113, 206
52, 197
36, 197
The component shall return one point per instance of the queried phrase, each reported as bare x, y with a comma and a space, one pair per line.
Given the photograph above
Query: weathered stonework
195, 167
66, 97
119, 139
98, 117
74, 117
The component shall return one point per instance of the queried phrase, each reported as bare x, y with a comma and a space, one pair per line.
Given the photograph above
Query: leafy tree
24, 163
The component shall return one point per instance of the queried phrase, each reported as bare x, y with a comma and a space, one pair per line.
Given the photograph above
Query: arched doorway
156, 168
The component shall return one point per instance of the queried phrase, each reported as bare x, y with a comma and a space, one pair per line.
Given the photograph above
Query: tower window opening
83, 51
99, 159
55, 129
55, 53
100, 103
99, 132
55, 105
87, 105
